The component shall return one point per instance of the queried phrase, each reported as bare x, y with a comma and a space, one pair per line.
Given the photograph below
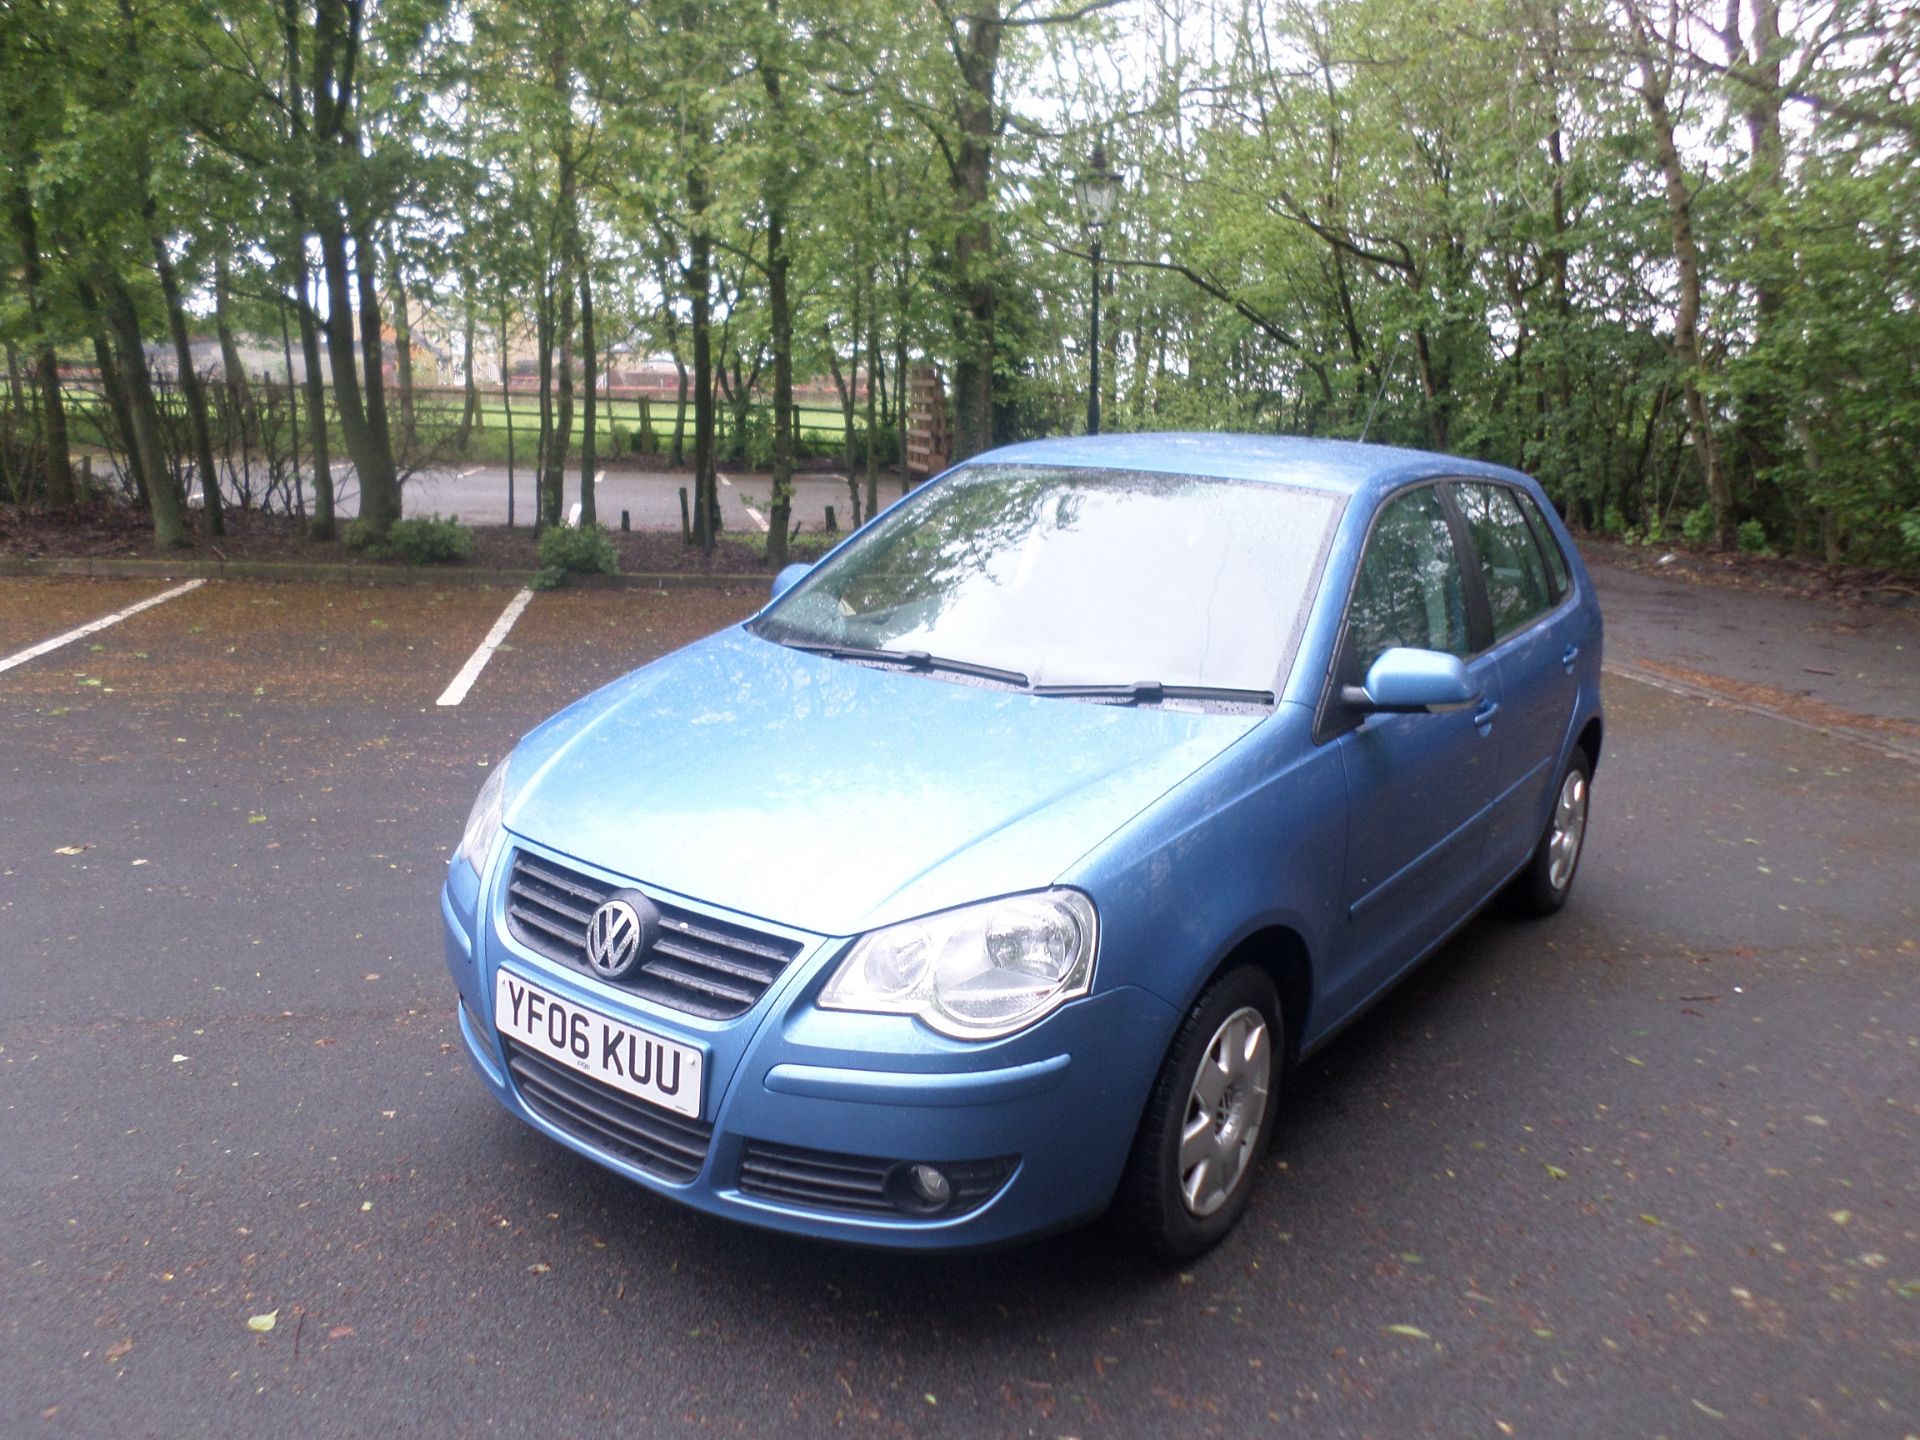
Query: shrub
1698, 526
565, 551
1753, 538
424, 540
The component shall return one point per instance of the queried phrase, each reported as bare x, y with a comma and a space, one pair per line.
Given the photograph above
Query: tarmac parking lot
1647, 1169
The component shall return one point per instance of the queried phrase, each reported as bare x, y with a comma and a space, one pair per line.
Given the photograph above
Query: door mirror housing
1405, 681
788, 577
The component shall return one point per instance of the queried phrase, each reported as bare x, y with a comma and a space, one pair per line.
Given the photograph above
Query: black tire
1544, 885
1154, 1203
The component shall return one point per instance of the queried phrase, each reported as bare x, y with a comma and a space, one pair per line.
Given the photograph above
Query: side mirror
1414, 682
788, 578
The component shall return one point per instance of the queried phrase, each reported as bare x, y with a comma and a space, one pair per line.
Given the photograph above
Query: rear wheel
1544, 885
1209, 1119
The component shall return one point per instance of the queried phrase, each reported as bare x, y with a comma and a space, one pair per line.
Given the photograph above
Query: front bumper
1062, 1099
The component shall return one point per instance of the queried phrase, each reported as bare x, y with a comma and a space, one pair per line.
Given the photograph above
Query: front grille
862, 1184
699, 965
659, 1142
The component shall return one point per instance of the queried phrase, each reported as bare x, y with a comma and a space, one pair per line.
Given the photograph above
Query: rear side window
1409, 591
1556, 562
1510, 559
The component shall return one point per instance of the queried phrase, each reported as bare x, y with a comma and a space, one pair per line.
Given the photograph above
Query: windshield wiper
910, 660
1152, 692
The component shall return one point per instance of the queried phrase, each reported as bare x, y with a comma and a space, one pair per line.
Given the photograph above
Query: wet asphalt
1650, 1168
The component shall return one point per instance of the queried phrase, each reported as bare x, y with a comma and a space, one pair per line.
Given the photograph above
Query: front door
1418, 786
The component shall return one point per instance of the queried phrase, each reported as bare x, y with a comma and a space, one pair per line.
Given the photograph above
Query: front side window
1510, 560
1409, 591
1070, 577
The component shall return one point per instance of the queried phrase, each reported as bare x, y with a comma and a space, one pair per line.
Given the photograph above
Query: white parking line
33, 651
756, 516
476, 662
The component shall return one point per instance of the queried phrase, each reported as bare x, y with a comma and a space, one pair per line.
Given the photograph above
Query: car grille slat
696, 964
657, 1141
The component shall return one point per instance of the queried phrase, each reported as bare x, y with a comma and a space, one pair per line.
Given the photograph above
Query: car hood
835, 797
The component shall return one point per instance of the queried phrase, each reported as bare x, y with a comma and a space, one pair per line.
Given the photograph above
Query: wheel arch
1281, 954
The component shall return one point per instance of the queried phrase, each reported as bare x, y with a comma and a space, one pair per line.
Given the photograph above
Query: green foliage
1698, 526
564, 550
1753, 538
424, 540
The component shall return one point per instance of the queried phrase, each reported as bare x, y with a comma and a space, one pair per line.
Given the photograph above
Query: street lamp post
1096, 191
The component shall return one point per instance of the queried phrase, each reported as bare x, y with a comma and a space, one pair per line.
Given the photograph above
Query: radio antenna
1385, 375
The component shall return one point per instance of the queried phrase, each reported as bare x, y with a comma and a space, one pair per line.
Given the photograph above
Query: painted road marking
34, 651
756, 516
476, 662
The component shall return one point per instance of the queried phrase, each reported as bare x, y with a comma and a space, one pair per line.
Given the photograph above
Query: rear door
1418, 786
1537, 633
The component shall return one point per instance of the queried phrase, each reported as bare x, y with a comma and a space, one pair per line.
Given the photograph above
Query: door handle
1569, 655
1483, 717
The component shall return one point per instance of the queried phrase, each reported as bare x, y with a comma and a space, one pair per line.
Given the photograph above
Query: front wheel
1208, 1120
1544, 885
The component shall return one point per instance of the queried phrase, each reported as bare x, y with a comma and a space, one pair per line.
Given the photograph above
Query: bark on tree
163, 496
323, 525
1686, 320
588, 458
706, 516
470, 409
191, 389
46, 367
113, 384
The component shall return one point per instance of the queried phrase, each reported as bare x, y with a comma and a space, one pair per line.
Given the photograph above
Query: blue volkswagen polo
997, 872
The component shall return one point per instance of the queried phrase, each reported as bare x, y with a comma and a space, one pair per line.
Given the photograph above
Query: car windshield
1075, 577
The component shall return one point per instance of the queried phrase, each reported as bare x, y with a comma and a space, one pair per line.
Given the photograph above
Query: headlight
483, 821
977, 972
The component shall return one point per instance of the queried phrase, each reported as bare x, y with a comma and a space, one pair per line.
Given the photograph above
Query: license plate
629, 1059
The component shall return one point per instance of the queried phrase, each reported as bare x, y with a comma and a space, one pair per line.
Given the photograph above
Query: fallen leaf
1555, 1172
1651, 1220
1412, 1332
178, 1058
73, 849
255, 819
119, 1350
539, 1267
1841, 1217
261, 1324
340, 1332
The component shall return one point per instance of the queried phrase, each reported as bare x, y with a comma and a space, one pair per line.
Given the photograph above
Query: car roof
1338, 466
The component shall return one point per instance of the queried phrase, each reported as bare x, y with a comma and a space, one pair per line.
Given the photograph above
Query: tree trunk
680, 413
323, 525
113, 384
506, 404
543, 339
780, 320
553, 497
971, 177
588, 458
706, 519
1686, 341
402, 344
190, 388
163, 496
233, 371
46, 367
873, 387
368, 449
379, 498
470, 410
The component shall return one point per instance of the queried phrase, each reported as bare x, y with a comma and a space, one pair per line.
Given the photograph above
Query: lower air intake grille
658, 1142
864, 1184
696, 964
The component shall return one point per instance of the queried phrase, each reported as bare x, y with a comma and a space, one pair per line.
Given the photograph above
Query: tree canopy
1664, 256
